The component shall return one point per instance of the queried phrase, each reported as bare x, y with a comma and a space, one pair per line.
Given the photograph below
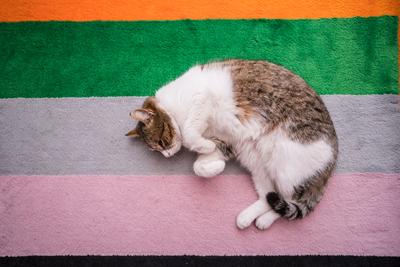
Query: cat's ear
143, 115
133, 133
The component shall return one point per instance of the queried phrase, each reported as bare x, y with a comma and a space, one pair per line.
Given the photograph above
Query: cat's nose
166, 154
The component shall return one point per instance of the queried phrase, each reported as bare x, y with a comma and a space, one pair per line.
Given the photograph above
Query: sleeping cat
260, 113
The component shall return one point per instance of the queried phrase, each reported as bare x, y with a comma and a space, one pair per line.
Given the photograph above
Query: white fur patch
291, 162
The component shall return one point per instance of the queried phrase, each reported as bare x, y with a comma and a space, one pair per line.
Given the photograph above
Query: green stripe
61, 59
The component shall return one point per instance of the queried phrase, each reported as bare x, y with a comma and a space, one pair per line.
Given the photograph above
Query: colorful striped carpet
71, 183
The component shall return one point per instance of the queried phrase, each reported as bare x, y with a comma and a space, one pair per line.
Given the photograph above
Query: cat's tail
287, 209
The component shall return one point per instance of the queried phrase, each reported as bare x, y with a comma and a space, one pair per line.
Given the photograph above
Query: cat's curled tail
286, 209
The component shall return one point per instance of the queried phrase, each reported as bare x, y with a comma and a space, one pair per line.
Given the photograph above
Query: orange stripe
83, 10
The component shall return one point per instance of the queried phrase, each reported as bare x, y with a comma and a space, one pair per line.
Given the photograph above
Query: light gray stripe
86, 136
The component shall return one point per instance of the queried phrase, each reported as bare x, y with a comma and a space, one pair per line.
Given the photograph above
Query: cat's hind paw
266, 220
244, 220
208, 168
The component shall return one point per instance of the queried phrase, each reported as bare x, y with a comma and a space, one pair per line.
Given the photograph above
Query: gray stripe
86, 136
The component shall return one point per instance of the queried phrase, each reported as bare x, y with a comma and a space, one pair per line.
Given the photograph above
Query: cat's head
158, 129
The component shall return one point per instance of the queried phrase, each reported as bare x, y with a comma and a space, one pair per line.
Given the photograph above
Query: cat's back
281, 98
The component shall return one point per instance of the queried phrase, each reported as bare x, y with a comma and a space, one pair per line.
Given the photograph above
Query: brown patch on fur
281, 98
245, 107
157, 131
227, 150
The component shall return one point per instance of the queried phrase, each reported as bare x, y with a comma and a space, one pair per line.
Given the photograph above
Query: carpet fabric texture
355, 217
38, 135
122, 58
72, 185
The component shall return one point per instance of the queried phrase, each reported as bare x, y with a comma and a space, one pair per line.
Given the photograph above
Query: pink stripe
176, 215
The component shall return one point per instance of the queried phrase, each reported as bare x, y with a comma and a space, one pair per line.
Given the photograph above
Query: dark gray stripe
200, 261
86, 136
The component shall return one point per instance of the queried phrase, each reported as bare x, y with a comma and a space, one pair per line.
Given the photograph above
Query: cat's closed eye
161, 143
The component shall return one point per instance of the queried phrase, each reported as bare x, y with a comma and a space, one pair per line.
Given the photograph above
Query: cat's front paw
208, 168
204, 147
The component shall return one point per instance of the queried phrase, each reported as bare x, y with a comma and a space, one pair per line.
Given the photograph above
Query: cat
257, 112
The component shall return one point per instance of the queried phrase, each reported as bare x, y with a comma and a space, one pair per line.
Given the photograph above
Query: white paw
244, 219
266, 220
208, 168
204, 147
